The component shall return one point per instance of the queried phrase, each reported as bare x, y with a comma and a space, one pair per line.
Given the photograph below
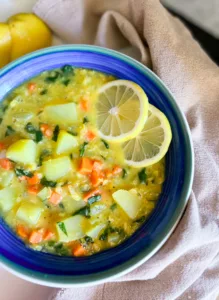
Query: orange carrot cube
36, 237
6, 164
55, 198
86, 166
31, 86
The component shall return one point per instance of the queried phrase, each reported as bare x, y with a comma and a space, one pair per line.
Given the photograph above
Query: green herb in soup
64, 189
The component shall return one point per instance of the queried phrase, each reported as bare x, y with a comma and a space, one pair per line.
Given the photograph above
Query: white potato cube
129, 202
57, 168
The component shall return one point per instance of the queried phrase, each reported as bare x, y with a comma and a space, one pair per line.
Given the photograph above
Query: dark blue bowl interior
13, 249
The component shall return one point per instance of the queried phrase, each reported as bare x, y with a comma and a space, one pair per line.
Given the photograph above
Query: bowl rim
145, 254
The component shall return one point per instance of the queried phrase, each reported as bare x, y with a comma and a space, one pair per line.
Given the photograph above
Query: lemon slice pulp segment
122, 109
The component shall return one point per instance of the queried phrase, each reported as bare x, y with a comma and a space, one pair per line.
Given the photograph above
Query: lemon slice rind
138, 140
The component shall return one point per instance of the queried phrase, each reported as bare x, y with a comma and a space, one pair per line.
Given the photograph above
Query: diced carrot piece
55, 198
108, 173
48, 235
83, 105
33, 180
31, 86
79, 251
86, 165
34, 189
2, 146
91, 194
46, 130
96, 178
36, 237
6, 164
90, 135
116, 170
97, 165
49, 133
22, 231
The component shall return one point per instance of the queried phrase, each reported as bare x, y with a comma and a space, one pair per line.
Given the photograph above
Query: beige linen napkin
187, 266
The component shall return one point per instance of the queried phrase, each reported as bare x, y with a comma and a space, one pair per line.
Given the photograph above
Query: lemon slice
152, 143
122, 109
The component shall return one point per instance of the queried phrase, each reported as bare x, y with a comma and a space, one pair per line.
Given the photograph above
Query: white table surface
12, 287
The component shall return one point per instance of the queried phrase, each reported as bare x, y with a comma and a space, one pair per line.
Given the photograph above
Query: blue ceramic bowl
59, 271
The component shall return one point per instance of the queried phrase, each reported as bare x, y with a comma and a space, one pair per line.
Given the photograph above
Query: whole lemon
5, 44
28, 34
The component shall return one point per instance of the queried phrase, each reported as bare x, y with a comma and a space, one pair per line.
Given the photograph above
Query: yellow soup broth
63, 189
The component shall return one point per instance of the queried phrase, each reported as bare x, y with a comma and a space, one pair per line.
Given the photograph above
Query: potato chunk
29, 212
71, 206
6, 177
22, 151
8, 197
57, 168
71, 229
62, 114
129, 202
65, 143
94, 230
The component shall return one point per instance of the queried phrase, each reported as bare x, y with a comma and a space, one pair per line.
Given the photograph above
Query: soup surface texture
63, 189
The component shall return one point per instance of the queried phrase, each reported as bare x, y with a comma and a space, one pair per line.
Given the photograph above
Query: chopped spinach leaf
113, 206
104, 235
93, 199
142, 176
38, 136
44, 92
85, 120
66, 82
105, 144
30, 128
43, 154
1, 120
56, 133
59, 246
60, 249
73, 133
88, 239
67, 69
85, 211
51, 243
120, 231
9, 131
47, 183
109, 230
22, 172
140, 220
82, 148
124, 173
61, 205
62, 227
53, 76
